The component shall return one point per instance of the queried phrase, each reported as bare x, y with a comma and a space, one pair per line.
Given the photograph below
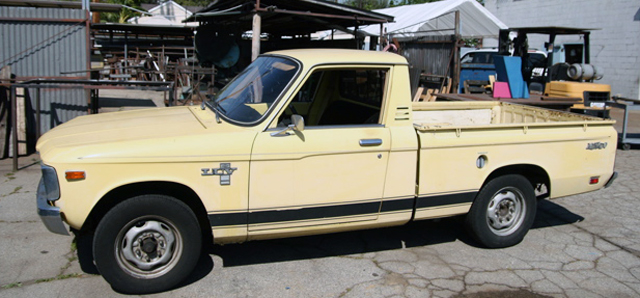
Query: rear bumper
613, 177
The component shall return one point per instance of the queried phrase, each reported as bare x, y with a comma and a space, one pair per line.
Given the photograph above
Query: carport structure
286, 18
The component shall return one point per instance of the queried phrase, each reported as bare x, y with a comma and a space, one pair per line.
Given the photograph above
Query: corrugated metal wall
429, 55
42, 43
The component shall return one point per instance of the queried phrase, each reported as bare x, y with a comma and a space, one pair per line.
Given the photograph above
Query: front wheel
503, 212
147, 244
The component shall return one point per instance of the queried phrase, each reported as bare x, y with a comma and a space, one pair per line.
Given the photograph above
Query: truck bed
570, 148
450, 115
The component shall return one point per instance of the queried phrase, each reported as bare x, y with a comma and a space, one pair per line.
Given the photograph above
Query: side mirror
297, 124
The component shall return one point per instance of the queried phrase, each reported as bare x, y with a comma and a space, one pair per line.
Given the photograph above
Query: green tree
368, 4
125, 13
409, 2
201, 3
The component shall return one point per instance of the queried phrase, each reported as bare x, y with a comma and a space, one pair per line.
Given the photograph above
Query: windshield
249, 95
479, 57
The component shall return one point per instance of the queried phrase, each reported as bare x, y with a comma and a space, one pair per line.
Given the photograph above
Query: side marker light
75, 175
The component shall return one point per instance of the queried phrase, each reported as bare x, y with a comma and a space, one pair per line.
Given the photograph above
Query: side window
363, 86
309, 89
351, 96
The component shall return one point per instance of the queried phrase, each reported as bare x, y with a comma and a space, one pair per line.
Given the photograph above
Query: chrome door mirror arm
297, 124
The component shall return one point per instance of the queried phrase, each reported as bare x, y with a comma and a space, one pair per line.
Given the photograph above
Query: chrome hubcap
147, 248
506, 211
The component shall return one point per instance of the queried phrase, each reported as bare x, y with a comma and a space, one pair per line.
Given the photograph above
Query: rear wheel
503, 212
147, 244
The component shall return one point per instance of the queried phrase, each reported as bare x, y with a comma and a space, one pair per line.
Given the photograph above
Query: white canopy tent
437, 18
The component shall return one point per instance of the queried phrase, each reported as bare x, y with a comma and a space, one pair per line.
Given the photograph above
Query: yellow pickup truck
305, 142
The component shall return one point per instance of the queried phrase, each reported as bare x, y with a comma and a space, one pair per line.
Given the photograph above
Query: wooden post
38, 122
21, 118
255, 40
14, 129
96, 15
381, 44
5, 108
456, 49
355, 34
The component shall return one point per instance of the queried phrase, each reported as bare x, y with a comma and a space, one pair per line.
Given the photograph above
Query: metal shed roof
436, 18
101, 7
286, 17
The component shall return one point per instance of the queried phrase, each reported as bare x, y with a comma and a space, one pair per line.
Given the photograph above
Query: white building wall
615, 48
172, 11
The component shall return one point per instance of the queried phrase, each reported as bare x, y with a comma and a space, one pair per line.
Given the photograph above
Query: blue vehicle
477, 65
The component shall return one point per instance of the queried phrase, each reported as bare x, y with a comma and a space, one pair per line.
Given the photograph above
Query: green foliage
124, 14
368, 4
471, 42
409, 2
12, 285
59, 277
201, 3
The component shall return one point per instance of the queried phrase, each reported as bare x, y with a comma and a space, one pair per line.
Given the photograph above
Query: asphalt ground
585, 245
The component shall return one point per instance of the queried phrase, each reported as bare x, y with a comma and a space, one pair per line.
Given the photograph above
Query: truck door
332, 172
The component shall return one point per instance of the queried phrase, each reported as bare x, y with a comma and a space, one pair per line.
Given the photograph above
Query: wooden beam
5, 74
255, 39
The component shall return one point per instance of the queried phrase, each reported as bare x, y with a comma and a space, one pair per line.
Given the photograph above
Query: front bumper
50, 215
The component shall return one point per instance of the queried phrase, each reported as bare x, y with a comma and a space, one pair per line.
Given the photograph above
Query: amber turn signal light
75, 175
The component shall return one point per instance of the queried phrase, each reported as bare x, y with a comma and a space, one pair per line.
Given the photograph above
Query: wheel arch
533, 173
173, 189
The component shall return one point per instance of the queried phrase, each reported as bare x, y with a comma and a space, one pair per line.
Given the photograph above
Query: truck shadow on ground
415, 234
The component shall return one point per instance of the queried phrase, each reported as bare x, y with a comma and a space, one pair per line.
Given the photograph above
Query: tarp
437, 18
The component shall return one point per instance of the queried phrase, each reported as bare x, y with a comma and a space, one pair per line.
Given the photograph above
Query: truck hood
139, 135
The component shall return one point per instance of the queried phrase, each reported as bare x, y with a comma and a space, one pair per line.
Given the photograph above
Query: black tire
147, 244
503, 212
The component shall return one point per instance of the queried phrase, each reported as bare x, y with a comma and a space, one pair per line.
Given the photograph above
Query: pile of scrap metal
152, 53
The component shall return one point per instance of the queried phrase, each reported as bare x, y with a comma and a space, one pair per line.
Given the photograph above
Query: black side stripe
448, 199
360, 209
228, 219
314, 213
397, 205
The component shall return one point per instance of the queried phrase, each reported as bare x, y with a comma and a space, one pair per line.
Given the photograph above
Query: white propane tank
598, 73
585, 72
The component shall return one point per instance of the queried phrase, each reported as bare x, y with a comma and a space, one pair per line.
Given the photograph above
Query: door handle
370, 142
